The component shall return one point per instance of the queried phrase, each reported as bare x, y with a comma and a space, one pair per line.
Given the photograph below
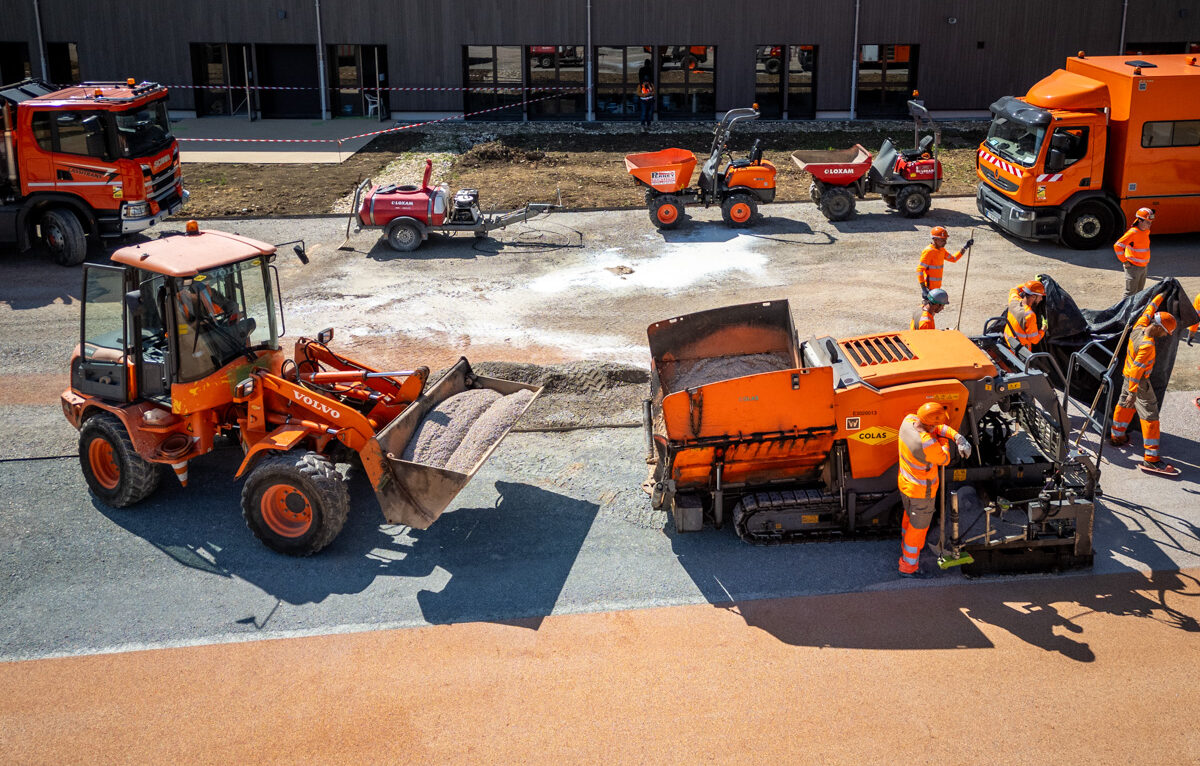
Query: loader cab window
221, 314
1015, 141
143, 130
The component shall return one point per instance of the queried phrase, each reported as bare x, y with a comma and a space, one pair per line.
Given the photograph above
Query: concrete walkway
237, 140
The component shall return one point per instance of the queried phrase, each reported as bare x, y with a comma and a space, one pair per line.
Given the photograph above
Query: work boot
920, 574
1118, 441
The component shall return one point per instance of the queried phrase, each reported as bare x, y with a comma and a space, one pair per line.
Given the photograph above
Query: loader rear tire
666, 211
114, 471
837, 203
63, 236
738, 210
403, 237
913, 201
295, 503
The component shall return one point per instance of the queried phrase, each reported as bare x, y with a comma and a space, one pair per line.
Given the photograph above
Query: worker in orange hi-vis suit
1196, 327
1021, 326
922, 318
1137, 393
929, 271
924, 444
1133, 250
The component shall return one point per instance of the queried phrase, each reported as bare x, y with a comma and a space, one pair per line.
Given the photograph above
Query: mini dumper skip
408, 213
739, 188
906, 179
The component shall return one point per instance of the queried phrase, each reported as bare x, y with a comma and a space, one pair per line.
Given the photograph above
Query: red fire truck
90, 160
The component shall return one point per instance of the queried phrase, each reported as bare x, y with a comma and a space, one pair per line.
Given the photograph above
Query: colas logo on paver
875, 435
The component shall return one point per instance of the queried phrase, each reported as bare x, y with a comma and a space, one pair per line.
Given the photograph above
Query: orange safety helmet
932, 414
1034, 287
1145, 213
1165, 321
939, 232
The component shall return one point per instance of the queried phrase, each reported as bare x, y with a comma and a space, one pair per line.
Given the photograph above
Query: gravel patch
444, 428
487, 430
705, 371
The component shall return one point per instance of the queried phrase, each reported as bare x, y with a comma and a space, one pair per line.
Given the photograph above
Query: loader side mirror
1056, 160
324, 336
299, 251
133, 302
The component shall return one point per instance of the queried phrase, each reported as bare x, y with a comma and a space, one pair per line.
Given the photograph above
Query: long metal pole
1124, 16
321, 61
591, 111
854, 69
37, 18
966, 273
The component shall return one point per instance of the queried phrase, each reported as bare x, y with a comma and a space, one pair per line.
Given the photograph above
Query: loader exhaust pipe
9, 157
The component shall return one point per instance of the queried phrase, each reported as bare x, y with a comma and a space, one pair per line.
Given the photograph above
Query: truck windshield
223, 313
1015, 141
143, 130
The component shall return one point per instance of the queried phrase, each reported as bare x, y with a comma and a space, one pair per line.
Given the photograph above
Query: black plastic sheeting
1070, 328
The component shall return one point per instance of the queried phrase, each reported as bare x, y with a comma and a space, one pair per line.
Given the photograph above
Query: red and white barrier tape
473, 88
373, 133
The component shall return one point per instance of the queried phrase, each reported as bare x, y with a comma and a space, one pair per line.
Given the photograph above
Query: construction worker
1133, 250
929, 271
1021, 326
924, 445
1196, 327
646, 100
934, 302
1137, 393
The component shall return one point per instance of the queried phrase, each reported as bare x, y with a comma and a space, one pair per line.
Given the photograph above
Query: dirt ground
509, 171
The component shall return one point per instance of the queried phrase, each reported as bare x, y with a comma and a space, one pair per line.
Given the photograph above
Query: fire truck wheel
295, 503
837, 203
63, 236
112, 468
913, 201
738, 210
403, 236
666, 211
1087, 226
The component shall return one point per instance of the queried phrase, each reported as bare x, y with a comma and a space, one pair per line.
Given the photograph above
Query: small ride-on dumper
905, 178
409, 213
739, 188
180, 344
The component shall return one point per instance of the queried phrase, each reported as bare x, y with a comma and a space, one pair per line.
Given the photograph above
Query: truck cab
1073, 158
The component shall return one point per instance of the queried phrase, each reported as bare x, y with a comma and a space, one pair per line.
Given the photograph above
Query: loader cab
151, 320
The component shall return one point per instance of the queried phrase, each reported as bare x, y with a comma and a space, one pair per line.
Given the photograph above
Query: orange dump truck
794, 440
1090, 144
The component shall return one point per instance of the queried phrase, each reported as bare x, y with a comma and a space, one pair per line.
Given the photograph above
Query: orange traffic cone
181, 472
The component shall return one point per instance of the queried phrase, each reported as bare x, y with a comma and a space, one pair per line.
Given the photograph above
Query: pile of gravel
691, 374
455, 434
577, 394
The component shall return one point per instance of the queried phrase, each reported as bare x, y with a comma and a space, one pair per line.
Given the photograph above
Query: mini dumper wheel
666, 211
738, 210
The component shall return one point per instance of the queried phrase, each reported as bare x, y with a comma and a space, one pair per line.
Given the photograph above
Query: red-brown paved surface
1071, 670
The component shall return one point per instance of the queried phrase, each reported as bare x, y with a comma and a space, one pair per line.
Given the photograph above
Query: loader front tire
666, 211
295, 503
114, 471
63, 236
403, 236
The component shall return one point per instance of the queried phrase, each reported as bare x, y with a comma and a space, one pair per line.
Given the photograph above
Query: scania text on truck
1089, 145
90, 160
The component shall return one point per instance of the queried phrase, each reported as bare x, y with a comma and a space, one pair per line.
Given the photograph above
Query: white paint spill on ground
674, 267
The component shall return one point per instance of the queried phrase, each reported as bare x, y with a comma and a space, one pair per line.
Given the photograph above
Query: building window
62, 59
887, 76
619, 71
784, 81
686, 82
559, 69
14, 62
357, 74
493, 78
219, 70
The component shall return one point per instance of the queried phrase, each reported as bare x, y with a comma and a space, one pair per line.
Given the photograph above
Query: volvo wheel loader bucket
415, 494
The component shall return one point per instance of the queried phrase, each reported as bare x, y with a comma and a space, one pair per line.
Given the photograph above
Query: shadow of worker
507, 564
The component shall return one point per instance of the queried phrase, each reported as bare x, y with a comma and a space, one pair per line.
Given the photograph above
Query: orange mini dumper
739, 188
797, 441
180, 344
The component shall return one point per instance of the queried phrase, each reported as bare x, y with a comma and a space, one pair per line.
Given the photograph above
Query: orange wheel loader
798, 441
738, 188
181, 343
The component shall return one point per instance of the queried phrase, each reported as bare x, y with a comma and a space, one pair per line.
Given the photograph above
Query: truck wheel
689, 61
773, 66
913, 201
814, 192
666, 211
1087, 226
63, 236
112, 468
738, 210
403, 236
545, 61
295, 503
837, 203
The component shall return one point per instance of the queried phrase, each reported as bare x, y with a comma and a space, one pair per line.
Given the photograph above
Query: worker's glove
969, 243
924, 293
1043, 324
964, 446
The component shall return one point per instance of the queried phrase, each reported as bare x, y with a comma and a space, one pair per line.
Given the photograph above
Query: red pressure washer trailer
408, 214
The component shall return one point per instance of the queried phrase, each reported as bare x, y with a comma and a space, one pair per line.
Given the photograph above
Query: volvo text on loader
180, 344
1089, 145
